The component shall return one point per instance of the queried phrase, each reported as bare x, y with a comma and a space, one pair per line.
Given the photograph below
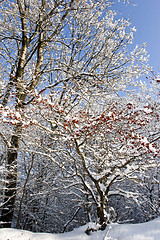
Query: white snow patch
142, 231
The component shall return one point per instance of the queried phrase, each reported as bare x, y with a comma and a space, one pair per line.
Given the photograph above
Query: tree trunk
11, 182
101, 214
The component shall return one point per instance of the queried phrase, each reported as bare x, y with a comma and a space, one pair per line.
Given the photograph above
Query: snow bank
77, 234
143, 231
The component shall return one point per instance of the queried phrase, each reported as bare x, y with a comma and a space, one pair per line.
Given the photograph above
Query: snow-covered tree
64, 63
100, 143
33, 39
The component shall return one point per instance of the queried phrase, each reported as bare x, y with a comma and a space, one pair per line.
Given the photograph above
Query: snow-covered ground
143, 231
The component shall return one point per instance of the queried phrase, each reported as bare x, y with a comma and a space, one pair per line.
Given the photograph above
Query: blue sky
145, 16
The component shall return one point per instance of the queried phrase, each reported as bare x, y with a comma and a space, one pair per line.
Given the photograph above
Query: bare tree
58, 56
29, 30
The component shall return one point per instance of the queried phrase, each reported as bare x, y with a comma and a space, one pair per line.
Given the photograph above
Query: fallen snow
142, 231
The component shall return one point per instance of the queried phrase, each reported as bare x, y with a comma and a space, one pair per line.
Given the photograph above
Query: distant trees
64, 66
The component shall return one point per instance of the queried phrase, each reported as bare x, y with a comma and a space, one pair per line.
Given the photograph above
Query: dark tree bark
11, 182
